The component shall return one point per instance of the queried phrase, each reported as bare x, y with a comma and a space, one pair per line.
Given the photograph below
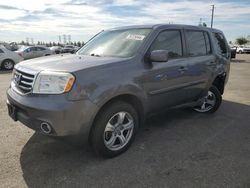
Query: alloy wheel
118, 131
8, 65
208, 103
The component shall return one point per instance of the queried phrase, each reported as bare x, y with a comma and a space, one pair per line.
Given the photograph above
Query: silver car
29, 52
8, 58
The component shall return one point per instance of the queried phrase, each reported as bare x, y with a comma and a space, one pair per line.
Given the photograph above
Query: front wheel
211, 102
114, 129
8, 64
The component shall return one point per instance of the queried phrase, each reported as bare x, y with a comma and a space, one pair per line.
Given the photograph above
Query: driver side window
171, 41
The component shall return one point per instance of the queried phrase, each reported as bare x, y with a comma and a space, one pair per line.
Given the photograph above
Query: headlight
53, 82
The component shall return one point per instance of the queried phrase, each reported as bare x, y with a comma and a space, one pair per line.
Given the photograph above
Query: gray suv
121, 76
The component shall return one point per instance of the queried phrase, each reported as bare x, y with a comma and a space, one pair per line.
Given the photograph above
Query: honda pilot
105, 91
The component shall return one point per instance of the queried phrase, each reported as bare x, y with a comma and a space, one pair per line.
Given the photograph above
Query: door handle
182, 69
212, 63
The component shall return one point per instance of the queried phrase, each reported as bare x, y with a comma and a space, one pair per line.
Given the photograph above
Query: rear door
40, 51
201, 62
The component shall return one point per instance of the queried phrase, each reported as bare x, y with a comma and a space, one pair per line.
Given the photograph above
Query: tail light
20, 54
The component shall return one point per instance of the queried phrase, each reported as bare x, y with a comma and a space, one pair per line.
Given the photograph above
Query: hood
66, 62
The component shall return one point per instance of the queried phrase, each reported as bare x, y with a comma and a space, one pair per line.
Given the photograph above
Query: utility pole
60, 40
212, 17
200, 23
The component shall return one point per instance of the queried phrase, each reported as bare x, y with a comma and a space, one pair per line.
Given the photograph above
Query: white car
8, 59
56, 49
243, 49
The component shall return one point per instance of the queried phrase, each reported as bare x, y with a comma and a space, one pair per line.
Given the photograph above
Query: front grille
23, 81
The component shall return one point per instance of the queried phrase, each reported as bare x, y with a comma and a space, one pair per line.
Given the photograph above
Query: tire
8, 64
106, 142
213, 95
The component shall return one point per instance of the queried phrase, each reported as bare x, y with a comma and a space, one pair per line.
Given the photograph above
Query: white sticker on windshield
135, 37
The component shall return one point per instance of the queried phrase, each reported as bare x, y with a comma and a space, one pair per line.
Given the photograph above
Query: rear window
220, 42
198, 43
40, 48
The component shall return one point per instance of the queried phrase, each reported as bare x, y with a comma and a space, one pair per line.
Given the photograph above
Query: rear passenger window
208, 44
196, 42
170, 41
40, 49
221, 43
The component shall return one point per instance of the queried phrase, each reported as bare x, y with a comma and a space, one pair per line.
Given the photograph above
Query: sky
45, 20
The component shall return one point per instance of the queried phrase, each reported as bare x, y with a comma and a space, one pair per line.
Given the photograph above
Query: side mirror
159, 56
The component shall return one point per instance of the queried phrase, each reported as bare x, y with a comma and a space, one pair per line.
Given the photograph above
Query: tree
241, 40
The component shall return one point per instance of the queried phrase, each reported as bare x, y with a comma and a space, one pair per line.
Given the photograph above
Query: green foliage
49, 44
241, 40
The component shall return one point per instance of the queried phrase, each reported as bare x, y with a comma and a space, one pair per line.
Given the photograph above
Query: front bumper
65, 117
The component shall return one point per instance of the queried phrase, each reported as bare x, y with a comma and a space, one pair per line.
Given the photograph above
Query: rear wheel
114, 129
8, 64
211, 102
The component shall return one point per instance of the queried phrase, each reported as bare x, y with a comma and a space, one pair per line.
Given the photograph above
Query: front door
29, 53
165, 82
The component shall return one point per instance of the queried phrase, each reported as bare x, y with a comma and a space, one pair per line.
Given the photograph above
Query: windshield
23, 48
117, 43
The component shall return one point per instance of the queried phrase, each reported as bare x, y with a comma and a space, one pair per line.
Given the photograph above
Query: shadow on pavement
155, 158
5, 72
239, 61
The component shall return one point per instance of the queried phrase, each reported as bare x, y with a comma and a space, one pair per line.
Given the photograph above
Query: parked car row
243, 49
9, 58
239, 50
66, 49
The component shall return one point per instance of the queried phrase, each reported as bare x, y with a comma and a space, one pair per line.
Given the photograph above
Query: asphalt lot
179, 148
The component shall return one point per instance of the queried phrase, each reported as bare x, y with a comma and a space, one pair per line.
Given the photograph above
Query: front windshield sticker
135, 37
